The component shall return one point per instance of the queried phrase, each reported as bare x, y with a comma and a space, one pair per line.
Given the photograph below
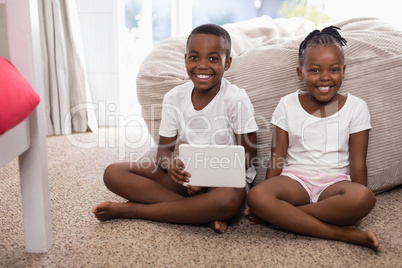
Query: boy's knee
108, 174
231, 203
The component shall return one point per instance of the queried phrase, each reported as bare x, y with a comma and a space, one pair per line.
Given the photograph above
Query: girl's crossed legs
284, 202
153, 195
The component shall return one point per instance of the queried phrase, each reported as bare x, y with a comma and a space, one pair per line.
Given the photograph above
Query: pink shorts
314, 182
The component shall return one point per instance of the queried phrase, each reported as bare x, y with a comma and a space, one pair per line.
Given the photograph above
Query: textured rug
76, 165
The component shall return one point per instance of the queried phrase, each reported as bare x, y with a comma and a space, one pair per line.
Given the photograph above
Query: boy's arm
166, 160
358, 143
279, 148
249, 142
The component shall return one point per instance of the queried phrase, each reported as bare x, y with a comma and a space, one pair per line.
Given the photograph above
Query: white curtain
67, 96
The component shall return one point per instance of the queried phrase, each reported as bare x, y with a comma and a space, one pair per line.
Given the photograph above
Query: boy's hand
177, 173
192, 190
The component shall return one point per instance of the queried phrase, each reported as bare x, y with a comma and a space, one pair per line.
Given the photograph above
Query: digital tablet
214, 165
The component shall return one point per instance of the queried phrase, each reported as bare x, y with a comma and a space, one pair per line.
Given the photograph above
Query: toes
218, 226
95, 209
247, 211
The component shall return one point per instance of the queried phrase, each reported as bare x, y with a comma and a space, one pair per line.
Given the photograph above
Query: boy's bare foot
219, 226
110, 210
252, 217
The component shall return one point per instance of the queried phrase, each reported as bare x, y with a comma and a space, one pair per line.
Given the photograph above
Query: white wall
101, 25
3, 32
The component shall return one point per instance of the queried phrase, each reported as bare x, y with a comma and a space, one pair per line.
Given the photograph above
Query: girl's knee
360, 200
365, 199
255, 196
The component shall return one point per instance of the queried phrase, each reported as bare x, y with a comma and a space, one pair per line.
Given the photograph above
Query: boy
206, 110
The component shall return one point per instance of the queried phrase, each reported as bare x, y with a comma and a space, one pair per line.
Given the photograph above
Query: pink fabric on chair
17, 97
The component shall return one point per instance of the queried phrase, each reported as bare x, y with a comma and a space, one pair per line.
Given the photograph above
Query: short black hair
214, 30
328, 35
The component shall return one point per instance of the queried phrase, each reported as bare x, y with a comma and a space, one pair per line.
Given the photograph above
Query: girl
316, 181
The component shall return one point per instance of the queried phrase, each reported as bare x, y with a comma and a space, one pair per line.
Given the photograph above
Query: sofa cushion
264, 64
17, 98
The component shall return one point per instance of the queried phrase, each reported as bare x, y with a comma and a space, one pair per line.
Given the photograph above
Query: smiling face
322, 71
206, 61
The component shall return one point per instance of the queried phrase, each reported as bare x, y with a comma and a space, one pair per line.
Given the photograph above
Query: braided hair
328, 35
216, 30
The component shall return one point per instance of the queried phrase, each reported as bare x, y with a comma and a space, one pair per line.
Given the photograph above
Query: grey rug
76, 165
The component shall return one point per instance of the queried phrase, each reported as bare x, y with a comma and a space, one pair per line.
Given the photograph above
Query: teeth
324, 88
203, 76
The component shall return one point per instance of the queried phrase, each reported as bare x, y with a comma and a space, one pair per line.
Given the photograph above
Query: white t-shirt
230, 112
320, 144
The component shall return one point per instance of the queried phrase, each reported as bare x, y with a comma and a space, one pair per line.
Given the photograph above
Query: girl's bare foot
219, 226
373, 241
252, 217
110, 210
362, 238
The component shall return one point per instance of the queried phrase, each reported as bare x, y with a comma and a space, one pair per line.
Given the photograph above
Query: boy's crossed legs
153, 195
284, 202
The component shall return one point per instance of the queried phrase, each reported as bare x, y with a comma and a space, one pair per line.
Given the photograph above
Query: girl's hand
192, 190
177, 173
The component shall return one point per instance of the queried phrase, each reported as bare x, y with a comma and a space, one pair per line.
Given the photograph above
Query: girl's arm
249, 142
358, 143
166, 161
279, 148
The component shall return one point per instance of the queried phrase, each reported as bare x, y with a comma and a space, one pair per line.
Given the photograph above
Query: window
150, 21
229, 11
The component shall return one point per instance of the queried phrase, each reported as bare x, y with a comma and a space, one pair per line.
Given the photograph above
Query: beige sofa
264, 63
